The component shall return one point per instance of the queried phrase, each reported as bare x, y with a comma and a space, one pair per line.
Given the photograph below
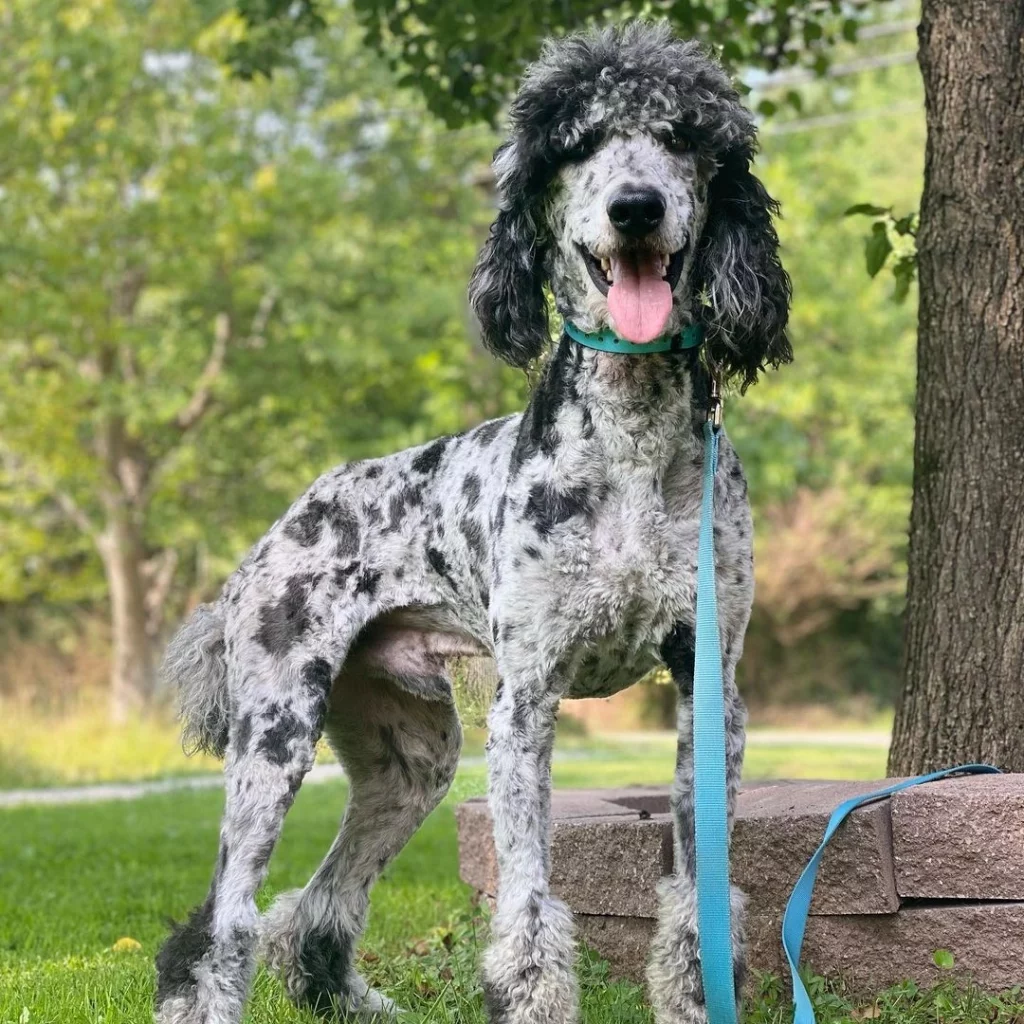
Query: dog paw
528, 974
674, 980
367, 1003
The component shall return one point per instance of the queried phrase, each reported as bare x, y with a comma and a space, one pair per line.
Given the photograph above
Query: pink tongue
640, 300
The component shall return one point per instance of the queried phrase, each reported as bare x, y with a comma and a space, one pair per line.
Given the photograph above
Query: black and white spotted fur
562, 541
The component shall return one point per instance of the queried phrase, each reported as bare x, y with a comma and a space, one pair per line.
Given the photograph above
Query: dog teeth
606, 266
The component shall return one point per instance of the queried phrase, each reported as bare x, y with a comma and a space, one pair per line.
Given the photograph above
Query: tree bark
963, 696
131, 673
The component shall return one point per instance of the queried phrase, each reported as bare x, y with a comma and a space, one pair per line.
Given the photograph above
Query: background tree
209, 290
963, 696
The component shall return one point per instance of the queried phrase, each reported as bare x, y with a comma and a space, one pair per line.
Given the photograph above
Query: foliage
890, 236
76, 880
828, 441
211, 290
466, 55
294, 252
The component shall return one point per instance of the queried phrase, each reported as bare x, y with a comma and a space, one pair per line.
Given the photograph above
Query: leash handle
710, 797
794, 921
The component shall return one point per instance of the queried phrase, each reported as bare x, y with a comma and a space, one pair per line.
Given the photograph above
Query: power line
781, 79
809, 124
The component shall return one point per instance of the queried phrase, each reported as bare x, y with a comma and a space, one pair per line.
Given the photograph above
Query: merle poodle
561, 541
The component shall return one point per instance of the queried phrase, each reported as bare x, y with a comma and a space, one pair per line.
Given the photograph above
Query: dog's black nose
636, 211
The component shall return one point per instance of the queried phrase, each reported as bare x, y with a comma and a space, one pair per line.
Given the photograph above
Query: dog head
625, 184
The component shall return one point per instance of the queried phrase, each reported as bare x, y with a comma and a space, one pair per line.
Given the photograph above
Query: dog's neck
634, 409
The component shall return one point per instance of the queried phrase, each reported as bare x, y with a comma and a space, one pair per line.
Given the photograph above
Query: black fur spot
286, 621
430, 458
396, 512
187, 944
306, 527
373, 472
316, 676
678, 652
367, 582
537, 431
325, 959
343, 573
488, 431
588, 424
471, 489
547, 507
275, 743
531, 551
317, 680
243, 733
474, 537
440, 565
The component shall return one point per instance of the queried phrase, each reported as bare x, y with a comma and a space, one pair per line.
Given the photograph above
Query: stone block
610, 847
622, 941
606, 856
873, 951
478, 861
960, 839
778, 828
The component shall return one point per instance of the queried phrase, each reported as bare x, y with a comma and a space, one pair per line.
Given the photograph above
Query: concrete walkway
60, 795
134, 790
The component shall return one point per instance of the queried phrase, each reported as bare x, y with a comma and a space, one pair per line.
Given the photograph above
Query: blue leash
795, 919
710, 797
711, 828
710, 818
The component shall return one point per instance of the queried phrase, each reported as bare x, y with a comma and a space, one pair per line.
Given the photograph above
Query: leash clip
715, 404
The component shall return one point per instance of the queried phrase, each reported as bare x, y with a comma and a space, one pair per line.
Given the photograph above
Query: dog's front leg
528, 969
673, 975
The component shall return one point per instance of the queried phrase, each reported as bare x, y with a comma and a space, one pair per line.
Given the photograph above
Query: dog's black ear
506, 290
740, 276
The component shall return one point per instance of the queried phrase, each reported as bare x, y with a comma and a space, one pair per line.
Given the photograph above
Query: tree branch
73, 512
203, 393
202, 396
159, 577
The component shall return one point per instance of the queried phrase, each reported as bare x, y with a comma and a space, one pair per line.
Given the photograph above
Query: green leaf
876, 248
905, 225
867, 209
766, 108
943, 958
904, 272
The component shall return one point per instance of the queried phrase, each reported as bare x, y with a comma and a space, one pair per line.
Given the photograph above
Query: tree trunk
963, 696
131, 680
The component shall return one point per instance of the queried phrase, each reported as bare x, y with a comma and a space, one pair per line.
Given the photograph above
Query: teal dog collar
607, 340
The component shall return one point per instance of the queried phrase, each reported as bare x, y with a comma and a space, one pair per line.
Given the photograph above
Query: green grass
74, 880
42, 750
38, 751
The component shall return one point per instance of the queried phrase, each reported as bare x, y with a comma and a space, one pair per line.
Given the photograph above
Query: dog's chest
612, 582
631, 557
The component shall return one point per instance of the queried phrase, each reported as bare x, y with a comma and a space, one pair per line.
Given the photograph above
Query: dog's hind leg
528, 969
674, 972
277, 711
400, 752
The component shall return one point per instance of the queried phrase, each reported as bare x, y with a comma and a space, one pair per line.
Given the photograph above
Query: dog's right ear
506, 291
